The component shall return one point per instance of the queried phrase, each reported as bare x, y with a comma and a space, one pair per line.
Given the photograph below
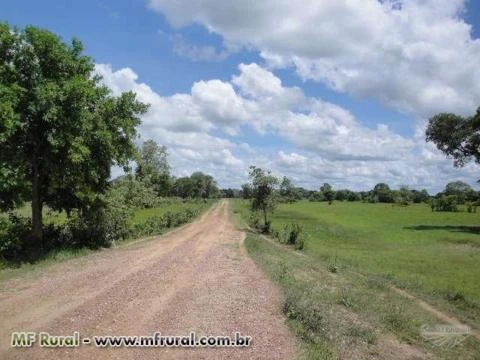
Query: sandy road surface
196, 278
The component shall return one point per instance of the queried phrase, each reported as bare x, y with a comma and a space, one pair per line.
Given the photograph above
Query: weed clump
300, 307
395, 318
291, 234
346, 299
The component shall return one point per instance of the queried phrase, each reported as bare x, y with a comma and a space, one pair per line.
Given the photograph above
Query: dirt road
197, 278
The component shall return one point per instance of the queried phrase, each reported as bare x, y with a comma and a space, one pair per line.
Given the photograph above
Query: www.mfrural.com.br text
44, 339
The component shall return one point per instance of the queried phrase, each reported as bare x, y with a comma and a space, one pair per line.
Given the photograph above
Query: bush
96, 226
134, 193
157, 224
13, 234
291, 235
472, 206
87, 229
294, 233
300, 243
445, 203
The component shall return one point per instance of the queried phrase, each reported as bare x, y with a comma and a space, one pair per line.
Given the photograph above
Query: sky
336, 91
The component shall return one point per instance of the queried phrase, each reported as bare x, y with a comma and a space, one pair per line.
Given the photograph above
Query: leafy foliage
61, 130
287, 191
461, 190
134, 193
153, 169
327, 192
12, 235
291, 234
264, 198
382, 193
456, 136
158, 224
198, 185
246, 191
445, 203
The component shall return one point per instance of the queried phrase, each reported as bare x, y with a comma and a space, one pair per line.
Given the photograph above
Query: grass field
435, 256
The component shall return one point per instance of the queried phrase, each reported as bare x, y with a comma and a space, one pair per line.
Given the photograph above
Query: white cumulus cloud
417, 56
203, 130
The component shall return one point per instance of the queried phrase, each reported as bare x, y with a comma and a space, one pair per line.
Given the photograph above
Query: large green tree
263, 191
203, 185
287, 191
198, 185
382, 193
328, 193
60, 129
456, 136
153, 168
461, 190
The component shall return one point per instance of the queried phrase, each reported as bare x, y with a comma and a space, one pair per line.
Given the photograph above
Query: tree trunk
265, 219
37, 205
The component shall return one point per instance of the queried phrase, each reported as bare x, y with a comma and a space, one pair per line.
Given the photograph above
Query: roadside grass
139, 217
338, 297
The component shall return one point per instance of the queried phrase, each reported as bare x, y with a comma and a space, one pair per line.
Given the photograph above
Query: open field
355, 252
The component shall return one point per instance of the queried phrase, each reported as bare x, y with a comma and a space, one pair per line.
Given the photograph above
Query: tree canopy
153, 168
461, 190
327, 192
456, 136
263, 191
197, 185
61, 131
382, 193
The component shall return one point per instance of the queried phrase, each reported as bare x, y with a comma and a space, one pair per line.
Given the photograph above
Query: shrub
291, 235
300, 243
134, 193
13, 237
157, 224
471, 207
294, 233
97, 226
446, 203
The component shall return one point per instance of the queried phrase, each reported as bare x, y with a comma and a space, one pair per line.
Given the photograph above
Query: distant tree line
455, 193
152, 180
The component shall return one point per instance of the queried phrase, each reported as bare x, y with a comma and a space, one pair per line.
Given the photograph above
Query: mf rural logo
445, 335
